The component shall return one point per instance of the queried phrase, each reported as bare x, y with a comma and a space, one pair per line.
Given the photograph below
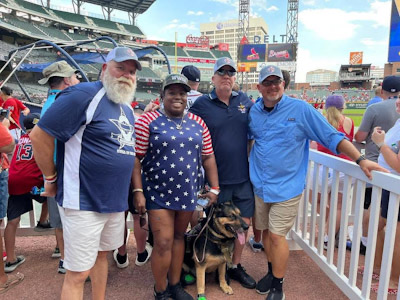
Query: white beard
116, 91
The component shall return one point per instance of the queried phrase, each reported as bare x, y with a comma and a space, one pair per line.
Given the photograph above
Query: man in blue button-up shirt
282, 127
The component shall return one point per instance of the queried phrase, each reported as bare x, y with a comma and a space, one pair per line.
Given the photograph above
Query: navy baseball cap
269, 71
191, 73
176, 79
224, 61
391, 84
120, 54
31, 120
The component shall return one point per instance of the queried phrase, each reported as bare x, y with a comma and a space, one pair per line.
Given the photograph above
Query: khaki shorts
276, 217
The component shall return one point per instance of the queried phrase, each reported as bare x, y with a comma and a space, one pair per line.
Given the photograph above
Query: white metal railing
309, 228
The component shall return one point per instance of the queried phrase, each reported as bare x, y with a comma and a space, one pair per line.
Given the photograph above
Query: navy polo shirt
228, 126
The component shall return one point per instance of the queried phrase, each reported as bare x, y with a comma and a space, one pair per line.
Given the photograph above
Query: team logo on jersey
242, 108
125, 137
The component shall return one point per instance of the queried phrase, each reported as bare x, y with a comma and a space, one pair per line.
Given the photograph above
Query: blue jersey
95, 148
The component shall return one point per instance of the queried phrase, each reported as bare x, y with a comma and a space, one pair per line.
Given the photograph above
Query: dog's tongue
241, 237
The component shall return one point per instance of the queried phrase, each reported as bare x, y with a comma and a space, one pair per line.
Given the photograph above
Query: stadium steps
37, 9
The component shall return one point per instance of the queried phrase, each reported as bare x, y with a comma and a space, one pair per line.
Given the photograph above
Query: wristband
137, 190
51, 176
215, 188
214, 191
380, 144
53, 180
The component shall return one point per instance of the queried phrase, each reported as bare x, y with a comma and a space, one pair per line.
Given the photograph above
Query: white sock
234, 266
364, 240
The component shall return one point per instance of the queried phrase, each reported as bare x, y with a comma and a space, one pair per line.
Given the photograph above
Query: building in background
377, 75
226, 32
321, 77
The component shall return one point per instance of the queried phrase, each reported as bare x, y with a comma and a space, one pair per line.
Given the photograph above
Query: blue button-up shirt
279, 157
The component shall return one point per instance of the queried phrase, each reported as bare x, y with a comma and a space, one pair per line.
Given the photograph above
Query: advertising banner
394, 40
247, 67
281, 52
252, 53
197, 60
284, 65
356, 58
223, 47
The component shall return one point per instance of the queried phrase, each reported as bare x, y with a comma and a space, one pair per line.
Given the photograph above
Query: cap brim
261, 80
233, 67
66, 75
125, 58
185, 86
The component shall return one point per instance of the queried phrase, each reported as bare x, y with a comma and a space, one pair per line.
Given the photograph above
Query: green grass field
355, 114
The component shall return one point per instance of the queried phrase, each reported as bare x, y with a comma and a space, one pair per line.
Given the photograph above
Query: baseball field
355, 114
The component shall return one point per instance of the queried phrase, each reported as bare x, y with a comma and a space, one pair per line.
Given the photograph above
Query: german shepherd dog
210, 248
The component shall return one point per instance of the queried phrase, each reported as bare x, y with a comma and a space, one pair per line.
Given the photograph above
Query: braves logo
271, 69
125, 137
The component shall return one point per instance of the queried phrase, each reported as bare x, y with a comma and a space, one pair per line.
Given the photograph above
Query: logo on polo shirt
125, 137
242, 108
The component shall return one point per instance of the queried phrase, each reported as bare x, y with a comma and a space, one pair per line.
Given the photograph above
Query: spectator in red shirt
6, 146
15, 106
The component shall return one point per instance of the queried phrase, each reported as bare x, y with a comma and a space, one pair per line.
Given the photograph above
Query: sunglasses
223, 72
143, 223
271, 82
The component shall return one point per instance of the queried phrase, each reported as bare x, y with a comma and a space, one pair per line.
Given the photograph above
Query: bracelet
53, 180
215, 188
51, 176
214, 191
137, 190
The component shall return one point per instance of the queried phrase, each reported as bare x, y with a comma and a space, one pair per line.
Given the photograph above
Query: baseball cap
335, 101
176, 79
120, 54
31, 120
59, 69
224, 61
191, 73
391, 84
269, 71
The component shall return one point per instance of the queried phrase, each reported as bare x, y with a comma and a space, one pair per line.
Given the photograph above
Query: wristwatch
362, 157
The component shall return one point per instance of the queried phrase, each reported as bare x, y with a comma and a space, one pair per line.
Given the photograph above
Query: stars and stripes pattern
172, 158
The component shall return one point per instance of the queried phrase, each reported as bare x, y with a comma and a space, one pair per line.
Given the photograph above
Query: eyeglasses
223, 72
271, 82
143, 223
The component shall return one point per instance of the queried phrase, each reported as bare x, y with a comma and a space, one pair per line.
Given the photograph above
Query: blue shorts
54, 213
242, 196
3, 193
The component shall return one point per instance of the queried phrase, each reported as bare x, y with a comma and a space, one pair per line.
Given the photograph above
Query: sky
328, 29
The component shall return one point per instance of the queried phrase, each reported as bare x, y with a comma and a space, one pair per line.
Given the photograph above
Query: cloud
337, 24
372, 42
272, 8
308, 2
194, 13
175, 24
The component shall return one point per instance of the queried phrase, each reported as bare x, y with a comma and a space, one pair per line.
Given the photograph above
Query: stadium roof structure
135, 6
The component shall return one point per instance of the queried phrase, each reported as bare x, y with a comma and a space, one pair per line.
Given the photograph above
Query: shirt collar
213, 94
260, 102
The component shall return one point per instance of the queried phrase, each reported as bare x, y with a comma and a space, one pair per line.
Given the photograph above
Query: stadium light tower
292, 21
244, 19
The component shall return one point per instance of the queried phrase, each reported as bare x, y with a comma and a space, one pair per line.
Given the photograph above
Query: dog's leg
201, 278
222, 282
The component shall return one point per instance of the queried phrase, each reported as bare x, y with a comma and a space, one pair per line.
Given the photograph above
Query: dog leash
205, 243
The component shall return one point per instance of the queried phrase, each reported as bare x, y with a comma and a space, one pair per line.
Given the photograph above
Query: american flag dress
171, 162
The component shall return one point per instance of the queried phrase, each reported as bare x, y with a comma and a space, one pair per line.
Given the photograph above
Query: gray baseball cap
224, 61
176, 79
59, 69
120, 54
269, 71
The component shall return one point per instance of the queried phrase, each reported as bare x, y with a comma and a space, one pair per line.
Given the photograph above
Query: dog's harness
224, 248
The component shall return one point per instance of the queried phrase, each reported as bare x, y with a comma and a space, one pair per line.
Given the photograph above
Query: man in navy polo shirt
226, 115
93, 123
282, 127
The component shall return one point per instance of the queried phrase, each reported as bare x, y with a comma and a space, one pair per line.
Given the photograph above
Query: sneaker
61, 268
363, 249
264, 285
239, 274
121, 261
177, 292
11, 266
140, 261
255, 246
56, 253
43, 226
161, 295
274, 294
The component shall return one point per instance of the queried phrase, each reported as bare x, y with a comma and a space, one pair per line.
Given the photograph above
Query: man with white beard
93, 123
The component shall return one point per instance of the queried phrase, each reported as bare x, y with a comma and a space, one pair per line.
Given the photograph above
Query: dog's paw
226, 289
